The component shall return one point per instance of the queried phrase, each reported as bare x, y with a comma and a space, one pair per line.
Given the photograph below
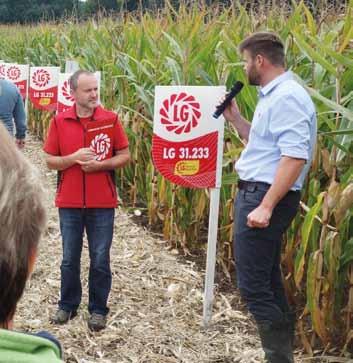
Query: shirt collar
275, 82
97, 114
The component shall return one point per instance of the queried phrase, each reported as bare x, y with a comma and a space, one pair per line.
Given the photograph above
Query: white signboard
18, 74
187, 144
43, 87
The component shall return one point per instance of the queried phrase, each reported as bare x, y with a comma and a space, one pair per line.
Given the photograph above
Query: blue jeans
258, 253
98, 223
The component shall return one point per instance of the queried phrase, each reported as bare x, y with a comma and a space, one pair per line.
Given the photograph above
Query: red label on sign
45, 99
189, 163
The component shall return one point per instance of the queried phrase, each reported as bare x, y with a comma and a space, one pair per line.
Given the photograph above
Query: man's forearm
117, 161
21, 128
60, 162
287, 173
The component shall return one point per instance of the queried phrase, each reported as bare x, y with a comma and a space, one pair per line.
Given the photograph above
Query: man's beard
253, 77
89, 105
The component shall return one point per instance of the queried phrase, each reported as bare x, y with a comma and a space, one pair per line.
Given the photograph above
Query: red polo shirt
67, 134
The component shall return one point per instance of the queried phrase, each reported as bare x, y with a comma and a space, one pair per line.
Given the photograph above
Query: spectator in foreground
22, 220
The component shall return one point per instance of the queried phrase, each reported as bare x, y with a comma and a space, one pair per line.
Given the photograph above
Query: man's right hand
84, 154
232, 113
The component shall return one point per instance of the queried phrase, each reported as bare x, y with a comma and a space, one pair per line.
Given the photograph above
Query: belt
251, 186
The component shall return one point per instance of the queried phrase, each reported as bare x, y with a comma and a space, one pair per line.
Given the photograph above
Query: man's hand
259, 217
232, 115
90, 166
20, 143
84, 154
231, 112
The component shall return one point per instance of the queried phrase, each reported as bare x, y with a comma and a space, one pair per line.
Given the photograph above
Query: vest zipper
84, 174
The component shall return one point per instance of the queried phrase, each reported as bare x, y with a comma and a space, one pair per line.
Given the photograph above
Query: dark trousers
258, 253
98, 223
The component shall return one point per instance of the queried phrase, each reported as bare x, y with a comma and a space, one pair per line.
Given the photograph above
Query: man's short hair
73, 80
267, 44
22, 220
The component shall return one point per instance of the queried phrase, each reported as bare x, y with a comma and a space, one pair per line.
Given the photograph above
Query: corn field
197, 45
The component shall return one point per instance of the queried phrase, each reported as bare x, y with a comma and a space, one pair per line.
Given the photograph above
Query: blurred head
260, 51
22, 220
84, 89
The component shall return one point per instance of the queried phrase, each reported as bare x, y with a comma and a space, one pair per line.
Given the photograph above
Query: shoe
276, 340
63, 316
97, 322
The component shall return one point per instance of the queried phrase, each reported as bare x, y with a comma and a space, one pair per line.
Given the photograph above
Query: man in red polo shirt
86, 144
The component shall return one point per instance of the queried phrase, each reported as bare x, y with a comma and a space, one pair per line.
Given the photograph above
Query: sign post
187, 149
71, 66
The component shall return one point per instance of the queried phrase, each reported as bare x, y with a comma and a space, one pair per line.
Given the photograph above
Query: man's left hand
90, 166
259, 217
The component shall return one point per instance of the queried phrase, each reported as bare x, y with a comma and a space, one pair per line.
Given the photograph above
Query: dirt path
155, 303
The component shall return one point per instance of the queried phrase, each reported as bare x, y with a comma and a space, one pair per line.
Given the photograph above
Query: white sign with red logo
43, 87
3, 70
187, 149
187, 144
65, 99
18, 74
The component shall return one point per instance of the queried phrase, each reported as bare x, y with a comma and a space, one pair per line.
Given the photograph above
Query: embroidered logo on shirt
100, 145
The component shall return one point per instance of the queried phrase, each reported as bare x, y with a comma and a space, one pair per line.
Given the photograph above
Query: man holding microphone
271, 169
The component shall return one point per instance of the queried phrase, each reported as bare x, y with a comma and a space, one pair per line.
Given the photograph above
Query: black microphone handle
232, 93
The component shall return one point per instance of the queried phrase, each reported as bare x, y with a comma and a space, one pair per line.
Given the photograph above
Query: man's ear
260, 59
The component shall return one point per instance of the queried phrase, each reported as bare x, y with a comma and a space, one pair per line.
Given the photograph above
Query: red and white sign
187, 144
65, 99
18, 74
43, 87
2, 70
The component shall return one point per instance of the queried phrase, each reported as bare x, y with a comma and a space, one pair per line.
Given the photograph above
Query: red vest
77, 189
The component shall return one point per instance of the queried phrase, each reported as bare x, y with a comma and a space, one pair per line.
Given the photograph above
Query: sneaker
97, 322
63, 316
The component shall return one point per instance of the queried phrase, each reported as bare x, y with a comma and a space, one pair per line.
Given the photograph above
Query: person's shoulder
24, 340
66, 115
103, 113
8, 86
293, 90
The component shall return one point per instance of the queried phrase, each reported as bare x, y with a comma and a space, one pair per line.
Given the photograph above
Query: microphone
229, 96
